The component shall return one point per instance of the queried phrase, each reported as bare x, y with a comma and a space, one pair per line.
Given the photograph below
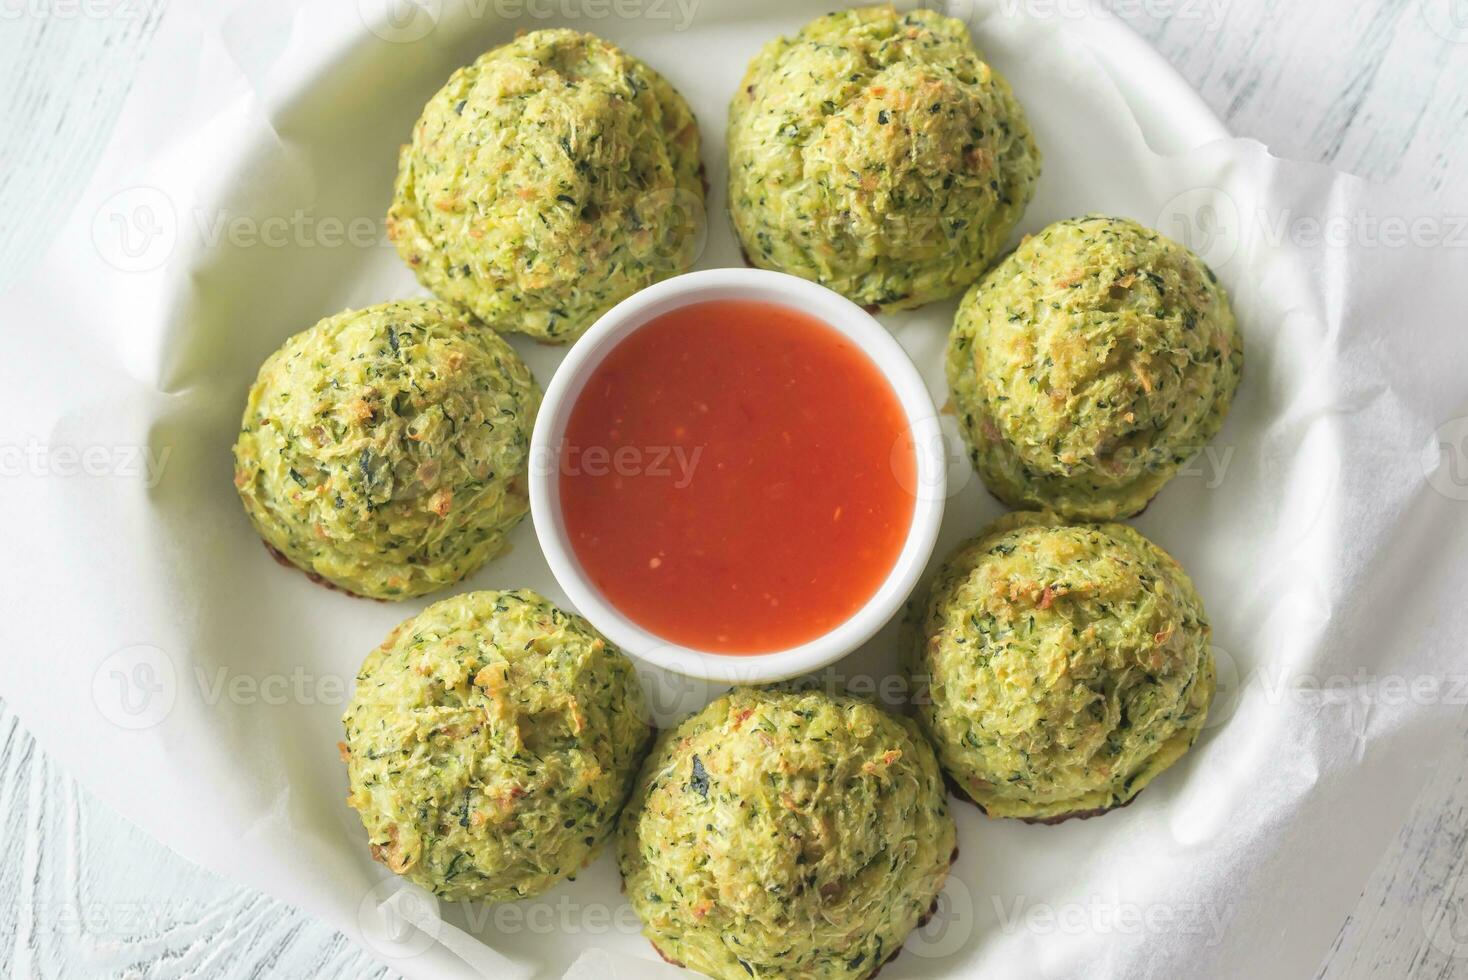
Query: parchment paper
195, 686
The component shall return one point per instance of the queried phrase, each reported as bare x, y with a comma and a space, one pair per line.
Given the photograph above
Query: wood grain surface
1374, 87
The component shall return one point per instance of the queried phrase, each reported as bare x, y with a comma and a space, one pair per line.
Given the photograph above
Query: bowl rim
840, 314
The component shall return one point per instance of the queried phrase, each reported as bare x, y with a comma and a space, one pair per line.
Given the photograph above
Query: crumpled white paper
159, 654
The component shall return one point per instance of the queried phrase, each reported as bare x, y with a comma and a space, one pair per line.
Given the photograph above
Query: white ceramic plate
336, 119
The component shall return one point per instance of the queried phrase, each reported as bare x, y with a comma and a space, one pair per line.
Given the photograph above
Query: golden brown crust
958, 791
281, 559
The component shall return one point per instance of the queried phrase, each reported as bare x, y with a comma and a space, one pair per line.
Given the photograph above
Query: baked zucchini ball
491, 743
385, 450
877, 154
786, 834
550, 179
1059, 667
1089, 365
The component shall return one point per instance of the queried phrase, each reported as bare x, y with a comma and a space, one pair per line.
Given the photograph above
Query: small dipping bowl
802, 297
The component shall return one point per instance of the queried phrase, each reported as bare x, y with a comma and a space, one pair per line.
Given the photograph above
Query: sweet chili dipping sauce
736, 477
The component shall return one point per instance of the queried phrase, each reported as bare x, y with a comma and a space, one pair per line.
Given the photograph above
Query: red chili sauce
736, 477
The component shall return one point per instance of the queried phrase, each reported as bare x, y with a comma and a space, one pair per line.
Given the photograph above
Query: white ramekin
770, 287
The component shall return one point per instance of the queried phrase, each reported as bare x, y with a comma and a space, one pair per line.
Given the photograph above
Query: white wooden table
1374, 87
